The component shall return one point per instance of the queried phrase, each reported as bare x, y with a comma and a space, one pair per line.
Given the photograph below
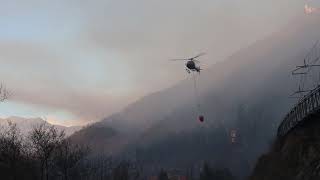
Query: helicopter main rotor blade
201, 54
179, 59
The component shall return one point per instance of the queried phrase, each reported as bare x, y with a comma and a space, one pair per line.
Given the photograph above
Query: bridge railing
307, 105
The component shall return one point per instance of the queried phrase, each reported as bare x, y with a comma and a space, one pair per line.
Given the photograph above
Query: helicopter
191, 66
191, 63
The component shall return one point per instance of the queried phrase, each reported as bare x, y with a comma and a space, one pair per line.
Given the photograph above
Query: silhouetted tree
11, 150
44, 140
4, 93
163, 175
136, 170
206, 172
121, 172
209, 173
67, 156
222, 174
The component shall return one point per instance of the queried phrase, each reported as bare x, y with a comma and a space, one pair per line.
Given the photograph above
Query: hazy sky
77, 61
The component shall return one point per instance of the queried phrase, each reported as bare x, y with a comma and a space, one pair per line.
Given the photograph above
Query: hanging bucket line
196, 93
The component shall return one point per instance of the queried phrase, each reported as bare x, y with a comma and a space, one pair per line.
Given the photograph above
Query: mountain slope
250, 72
246, 92
26, 125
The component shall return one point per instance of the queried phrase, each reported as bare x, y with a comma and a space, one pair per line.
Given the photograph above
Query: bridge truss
308, 92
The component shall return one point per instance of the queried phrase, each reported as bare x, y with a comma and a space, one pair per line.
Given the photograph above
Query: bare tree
67, 156
11, 149
45, 139
4, 93
121, 172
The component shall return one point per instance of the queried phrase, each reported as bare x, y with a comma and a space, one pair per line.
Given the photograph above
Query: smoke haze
80, 61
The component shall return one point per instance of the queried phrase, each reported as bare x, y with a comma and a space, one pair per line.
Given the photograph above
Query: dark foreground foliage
293, 157
46, 154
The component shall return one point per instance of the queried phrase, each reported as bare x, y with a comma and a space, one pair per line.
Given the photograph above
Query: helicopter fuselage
191, 65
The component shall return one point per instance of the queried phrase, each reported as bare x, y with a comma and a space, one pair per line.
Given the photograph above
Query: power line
309, 79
